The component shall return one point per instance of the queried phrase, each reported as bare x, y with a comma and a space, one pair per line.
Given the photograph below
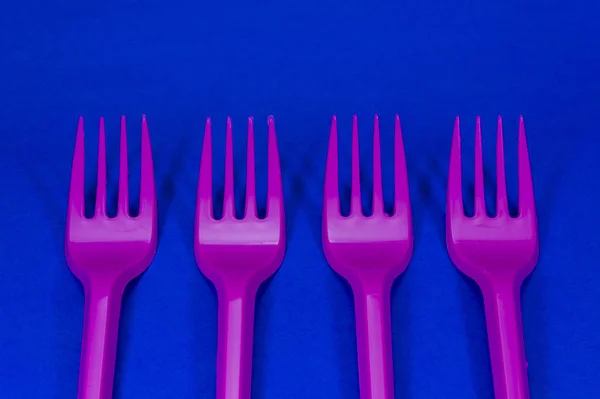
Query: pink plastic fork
498, 253
106, 254
370, 252
237, 255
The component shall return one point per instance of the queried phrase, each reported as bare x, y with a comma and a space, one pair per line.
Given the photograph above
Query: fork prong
454, 201
401, 191
526, 196
274, 185
101, 184
331, 203
76, 186
355, 200
501, 195
479, 190
204, 195
123, 202
250, 173
228, 196
377, 184
147, 185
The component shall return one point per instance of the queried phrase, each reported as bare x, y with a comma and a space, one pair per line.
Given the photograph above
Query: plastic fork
237, 255
498, 253
105, 254
369, 252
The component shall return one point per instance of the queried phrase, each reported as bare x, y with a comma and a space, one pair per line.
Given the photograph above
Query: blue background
180, 62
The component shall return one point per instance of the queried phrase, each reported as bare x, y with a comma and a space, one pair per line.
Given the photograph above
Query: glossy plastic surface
498, 253
370, 252
237, 255
105, 254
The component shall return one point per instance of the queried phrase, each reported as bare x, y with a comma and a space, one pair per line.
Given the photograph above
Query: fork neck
104, 284
495, 280
232, 289
370, 282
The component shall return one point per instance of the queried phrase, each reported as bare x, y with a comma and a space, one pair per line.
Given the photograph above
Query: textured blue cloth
180, 62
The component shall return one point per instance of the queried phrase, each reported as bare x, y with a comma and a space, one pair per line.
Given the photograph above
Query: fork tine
331, 204
355, 200
454, 201
76, 196
479, 190
526, 196
204, 197
274, 185
123, 202
147, 186
250, 173
401, 193
501, 195
228, 199
101, 185
377, 184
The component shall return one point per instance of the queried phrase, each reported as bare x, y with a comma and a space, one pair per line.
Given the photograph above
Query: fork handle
234, 342
374, 340
99, 344
505, 335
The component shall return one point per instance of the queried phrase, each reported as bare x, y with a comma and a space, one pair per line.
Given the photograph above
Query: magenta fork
498, 253
369, 252
237, 255
105, 254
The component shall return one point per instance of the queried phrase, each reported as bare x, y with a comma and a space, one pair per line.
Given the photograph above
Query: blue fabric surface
179, 62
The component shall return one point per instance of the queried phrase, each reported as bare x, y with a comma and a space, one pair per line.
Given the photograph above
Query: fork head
486, 247
250, 249
360, 247
115, 248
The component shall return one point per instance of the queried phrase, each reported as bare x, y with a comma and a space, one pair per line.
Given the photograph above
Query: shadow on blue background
180, 62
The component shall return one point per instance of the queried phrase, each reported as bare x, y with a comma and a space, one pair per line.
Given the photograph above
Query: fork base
99, 341
235, 341
505, 336
374, 340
